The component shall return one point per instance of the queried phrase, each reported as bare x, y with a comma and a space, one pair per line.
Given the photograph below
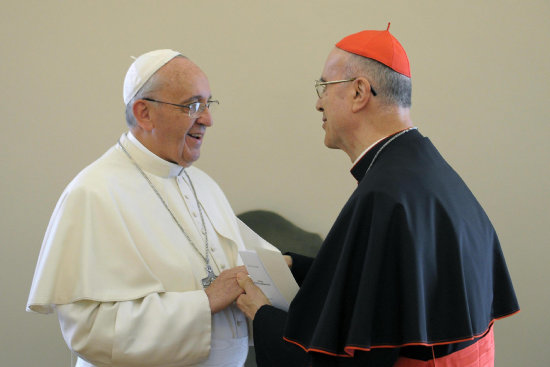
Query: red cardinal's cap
380, 46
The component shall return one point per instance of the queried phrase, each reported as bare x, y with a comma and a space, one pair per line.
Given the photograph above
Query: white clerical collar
148, 160
366, 150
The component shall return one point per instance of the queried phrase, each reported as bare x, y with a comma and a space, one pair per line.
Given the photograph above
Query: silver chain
204, 231
386, 143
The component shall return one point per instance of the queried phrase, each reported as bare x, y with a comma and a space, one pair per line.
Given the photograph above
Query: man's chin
188, 160
329, 145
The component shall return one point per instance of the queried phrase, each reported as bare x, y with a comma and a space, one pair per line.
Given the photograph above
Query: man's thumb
244, 280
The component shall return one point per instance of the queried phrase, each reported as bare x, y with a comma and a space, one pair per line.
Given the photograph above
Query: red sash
479, 354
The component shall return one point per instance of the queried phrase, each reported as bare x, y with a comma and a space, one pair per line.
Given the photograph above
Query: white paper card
267, 268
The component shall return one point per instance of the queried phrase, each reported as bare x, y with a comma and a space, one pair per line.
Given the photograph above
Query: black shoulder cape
412, 259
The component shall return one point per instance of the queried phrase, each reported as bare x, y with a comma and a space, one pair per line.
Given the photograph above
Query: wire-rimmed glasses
321, 86
194, 109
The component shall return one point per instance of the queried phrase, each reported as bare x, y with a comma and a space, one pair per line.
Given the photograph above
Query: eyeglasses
194, 109
321, 87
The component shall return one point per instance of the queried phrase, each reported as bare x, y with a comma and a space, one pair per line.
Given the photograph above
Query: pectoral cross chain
210, 277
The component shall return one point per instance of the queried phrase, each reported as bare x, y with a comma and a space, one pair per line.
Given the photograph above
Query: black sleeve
270, 348
300, 266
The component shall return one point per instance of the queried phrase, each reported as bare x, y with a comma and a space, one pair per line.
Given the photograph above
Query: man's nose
318, 105
205, 118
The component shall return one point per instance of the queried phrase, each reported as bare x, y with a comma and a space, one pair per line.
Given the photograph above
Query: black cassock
411, 262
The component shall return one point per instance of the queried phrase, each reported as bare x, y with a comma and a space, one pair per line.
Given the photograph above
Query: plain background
480, 91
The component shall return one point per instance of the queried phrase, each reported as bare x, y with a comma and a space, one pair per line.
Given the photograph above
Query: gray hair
390, 86
152, 84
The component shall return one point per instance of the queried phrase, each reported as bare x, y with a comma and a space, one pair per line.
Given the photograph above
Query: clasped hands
235, 285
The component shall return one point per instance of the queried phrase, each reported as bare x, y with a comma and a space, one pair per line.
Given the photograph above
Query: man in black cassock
412, 270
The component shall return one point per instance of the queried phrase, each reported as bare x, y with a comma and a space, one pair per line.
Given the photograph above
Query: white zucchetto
143, 68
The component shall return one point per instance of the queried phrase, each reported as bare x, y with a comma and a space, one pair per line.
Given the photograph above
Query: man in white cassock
141, 253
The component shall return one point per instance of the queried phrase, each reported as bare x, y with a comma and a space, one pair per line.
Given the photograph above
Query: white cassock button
223, 266
186, 196
195, 214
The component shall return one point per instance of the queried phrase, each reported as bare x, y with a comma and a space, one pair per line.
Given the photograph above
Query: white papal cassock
125, 282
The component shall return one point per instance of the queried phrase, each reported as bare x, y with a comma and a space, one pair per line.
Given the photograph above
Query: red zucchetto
380, 46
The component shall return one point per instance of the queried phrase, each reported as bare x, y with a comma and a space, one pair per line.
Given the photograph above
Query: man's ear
362, 94
142, 113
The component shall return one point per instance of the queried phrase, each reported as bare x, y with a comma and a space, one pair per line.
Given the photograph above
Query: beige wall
481, 90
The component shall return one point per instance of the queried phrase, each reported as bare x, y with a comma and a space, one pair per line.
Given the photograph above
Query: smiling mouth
195, 136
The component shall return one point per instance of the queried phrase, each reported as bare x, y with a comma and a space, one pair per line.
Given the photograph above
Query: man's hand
288, 261
252, 299
224, 290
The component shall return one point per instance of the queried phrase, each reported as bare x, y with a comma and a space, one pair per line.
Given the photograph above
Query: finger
288, 260
231, 273
241, 268
245, 282
241, 304
241, 301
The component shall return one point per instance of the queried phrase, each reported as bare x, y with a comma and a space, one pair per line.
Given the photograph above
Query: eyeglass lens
197, 108
320, 89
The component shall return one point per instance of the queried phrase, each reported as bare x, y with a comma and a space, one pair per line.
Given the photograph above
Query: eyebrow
195, 98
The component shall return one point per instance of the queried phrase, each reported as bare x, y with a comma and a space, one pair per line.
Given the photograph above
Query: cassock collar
362, 163
360, 167
147, 160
